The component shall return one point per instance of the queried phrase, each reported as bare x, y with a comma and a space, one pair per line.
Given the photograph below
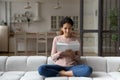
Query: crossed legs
54, 70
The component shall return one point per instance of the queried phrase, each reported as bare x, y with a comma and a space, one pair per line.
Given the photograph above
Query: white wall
2, 11
68, 8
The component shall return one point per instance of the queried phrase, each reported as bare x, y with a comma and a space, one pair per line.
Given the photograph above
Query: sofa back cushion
33, 62
97, 63
50, 61
16, 63
113, 64
2, 62
24, 63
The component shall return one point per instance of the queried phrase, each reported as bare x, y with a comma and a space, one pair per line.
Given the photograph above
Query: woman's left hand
70, 53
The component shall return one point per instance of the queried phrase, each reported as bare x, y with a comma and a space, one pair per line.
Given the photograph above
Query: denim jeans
53, 70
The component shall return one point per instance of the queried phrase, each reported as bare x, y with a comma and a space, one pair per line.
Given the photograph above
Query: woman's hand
68, 53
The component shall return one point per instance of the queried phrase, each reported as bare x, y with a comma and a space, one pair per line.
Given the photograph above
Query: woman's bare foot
66, 73
61, 73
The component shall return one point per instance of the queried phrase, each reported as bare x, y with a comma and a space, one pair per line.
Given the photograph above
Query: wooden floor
22, 53
6, 54
34, 54
12, 54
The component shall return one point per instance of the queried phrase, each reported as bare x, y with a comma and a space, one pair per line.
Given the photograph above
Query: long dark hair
65, 20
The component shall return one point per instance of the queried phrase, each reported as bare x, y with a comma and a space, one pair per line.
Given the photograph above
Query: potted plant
113, 19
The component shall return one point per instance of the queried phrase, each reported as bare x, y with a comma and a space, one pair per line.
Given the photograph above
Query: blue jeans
53, 70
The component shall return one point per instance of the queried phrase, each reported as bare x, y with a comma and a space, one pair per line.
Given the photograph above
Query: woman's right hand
67, 53
61, 54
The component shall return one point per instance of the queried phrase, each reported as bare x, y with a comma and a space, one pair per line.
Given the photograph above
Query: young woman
67, 63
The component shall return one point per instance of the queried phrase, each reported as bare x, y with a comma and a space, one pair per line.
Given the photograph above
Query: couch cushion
16, 63
115, 75
20, 73
97, 63
50, 61
33, 62
56, 78
2, 62
101, 76
80, 78
32, 75
12, 75
9, 77
1, 73
113, 64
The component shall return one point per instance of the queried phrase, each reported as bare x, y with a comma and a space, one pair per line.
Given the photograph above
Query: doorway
89, 30
99, 34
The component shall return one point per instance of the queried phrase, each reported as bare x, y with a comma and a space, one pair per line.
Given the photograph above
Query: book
73, 45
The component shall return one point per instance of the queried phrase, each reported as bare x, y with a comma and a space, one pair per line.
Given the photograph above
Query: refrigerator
3, 38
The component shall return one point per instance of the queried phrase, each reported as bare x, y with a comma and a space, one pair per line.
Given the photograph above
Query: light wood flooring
34, 54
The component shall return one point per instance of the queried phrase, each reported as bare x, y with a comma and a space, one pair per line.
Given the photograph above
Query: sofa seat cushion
20, 73
80, 78
12, 75
32, 75
101, 76
3, 62
1, 73
56, 78
115, 75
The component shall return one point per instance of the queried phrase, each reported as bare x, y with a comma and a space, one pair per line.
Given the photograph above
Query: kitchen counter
27, 36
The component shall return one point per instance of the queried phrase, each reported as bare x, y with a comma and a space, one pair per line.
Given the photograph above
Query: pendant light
57, 5
28, 5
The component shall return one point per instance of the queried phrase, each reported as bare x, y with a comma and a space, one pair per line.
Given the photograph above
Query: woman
67, 63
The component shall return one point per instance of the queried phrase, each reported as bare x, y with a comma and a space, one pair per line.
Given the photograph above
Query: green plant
113, 18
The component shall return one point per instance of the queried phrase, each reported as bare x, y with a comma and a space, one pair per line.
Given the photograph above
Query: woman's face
67, 29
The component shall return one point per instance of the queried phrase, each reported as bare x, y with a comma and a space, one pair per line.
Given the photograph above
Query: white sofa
25, 68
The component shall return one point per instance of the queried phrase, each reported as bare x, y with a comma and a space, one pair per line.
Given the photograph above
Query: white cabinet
3, 38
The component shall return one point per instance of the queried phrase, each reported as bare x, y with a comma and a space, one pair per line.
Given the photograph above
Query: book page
73, 45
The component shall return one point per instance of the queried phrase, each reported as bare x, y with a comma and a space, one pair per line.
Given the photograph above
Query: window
55, 20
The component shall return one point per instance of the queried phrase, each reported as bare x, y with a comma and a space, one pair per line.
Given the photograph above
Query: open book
73, 45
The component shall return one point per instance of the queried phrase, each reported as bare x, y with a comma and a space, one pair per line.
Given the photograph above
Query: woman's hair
65, 20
